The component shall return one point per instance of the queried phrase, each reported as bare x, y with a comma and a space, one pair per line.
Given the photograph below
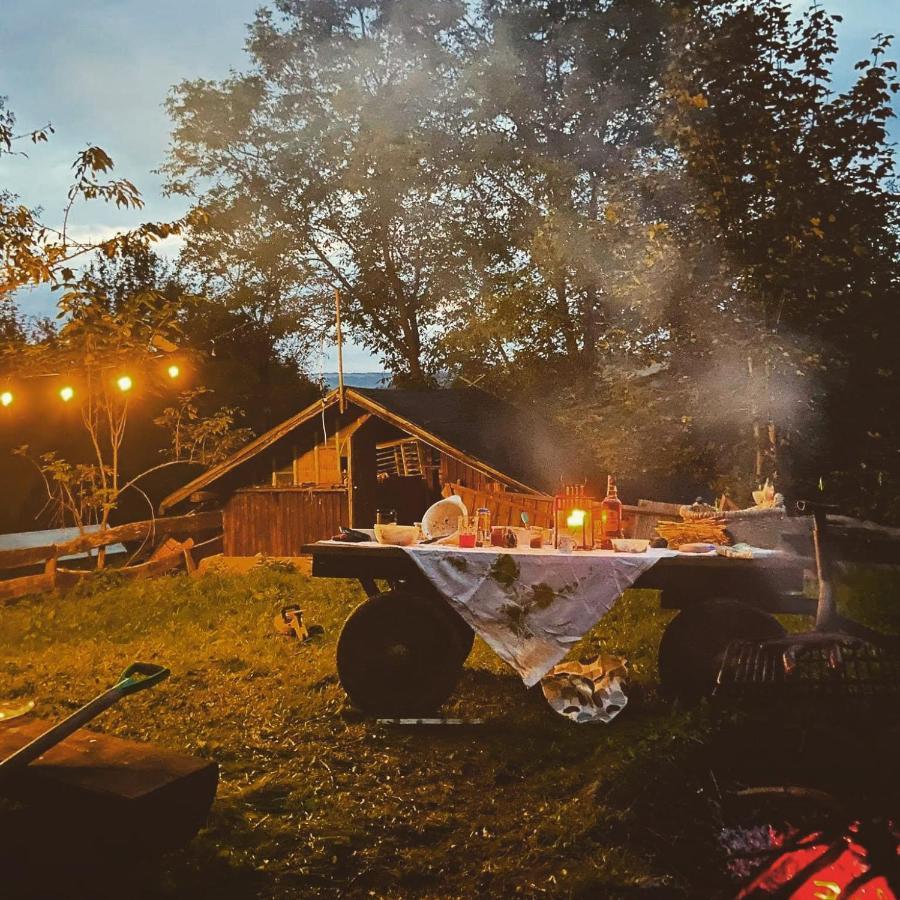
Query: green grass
314, 803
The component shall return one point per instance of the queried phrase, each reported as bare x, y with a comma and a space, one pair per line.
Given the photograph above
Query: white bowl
396, 535
441, 519
630, 545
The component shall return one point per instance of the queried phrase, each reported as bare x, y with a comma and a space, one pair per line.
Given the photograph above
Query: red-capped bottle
611, 512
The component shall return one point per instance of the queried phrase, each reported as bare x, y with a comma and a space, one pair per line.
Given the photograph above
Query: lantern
573, 515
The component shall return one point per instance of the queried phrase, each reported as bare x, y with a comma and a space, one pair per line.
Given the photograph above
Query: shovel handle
140, 676
136, 677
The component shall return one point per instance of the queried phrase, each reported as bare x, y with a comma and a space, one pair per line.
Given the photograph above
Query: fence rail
170, 556
174, 526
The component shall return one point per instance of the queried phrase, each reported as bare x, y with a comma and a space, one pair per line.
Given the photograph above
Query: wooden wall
455, 472
278, 521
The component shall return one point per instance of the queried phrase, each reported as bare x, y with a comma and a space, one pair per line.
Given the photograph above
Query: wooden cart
401, 651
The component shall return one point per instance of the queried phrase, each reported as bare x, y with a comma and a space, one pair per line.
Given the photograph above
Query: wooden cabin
397, 449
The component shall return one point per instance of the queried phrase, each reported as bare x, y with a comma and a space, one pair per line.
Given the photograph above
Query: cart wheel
693, 646
464, 632
398, 656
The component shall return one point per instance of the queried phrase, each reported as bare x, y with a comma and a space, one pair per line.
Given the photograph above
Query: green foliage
76, 492
202, 439
794, 188
333, 167
94, 346
656, 220
33, 252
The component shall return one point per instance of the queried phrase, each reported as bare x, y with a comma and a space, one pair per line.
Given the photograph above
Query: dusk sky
99, 70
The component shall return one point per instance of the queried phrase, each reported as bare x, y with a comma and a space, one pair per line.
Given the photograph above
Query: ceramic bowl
396, 535
630, 545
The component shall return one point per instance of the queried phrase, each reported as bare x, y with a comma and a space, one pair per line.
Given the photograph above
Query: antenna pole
340, 349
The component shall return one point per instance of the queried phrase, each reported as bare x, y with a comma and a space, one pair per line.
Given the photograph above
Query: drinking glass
468, 531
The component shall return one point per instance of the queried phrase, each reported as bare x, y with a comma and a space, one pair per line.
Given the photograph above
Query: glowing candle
576, 520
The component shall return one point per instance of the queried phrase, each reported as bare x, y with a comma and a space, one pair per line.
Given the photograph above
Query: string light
174, 371
125, 383
6, 398
67, 393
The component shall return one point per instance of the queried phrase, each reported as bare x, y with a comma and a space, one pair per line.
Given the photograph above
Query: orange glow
125, 383
6, 398
576, 518
174, 371
67, 393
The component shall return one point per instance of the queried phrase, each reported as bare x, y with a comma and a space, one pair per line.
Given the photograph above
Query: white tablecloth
531, 606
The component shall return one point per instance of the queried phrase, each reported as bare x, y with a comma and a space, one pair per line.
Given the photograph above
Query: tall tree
794, 201
563, 100
334, 166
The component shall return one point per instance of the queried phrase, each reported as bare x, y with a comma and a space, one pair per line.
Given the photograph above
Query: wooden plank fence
506, 508
170, 555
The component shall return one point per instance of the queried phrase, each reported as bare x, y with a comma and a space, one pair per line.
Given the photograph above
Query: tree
98, 358
34, 252
563, 103
795, 208
335, 165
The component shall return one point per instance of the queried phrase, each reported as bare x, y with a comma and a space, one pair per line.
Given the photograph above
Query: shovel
137, 677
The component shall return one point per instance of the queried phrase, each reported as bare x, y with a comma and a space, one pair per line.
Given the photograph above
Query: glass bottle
610, 513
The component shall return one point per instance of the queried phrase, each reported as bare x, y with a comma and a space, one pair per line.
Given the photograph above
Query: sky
99, 71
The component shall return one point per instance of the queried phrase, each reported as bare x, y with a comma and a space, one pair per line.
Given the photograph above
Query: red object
819, 868
611, 512
467, 540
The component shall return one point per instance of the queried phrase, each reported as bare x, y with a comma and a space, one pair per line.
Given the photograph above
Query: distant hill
359, 379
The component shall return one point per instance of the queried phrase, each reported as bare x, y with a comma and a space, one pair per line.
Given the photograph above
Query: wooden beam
30, 584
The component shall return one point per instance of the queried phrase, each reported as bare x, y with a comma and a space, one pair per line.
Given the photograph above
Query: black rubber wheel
464, 633
693, 645
397, 655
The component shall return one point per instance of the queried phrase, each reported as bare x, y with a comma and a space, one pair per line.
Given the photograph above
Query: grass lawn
314, 803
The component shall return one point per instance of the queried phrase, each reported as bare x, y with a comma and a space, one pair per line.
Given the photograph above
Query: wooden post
340, 349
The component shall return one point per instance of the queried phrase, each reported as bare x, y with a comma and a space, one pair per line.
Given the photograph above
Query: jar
483, 515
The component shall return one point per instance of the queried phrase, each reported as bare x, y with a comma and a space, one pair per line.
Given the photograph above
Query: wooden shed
400, 449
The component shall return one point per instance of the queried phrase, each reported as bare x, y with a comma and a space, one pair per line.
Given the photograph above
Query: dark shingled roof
508, 438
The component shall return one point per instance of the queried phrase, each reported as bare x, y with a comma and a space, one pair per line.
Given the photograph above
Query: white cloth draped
531, 606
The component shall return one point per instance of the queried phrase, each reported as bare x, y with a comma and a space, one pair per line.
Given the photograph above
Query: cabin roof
503, 441
515, 443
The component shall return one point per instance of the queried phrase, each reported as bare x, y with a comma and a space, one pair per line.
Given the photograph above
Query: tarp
25, 540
